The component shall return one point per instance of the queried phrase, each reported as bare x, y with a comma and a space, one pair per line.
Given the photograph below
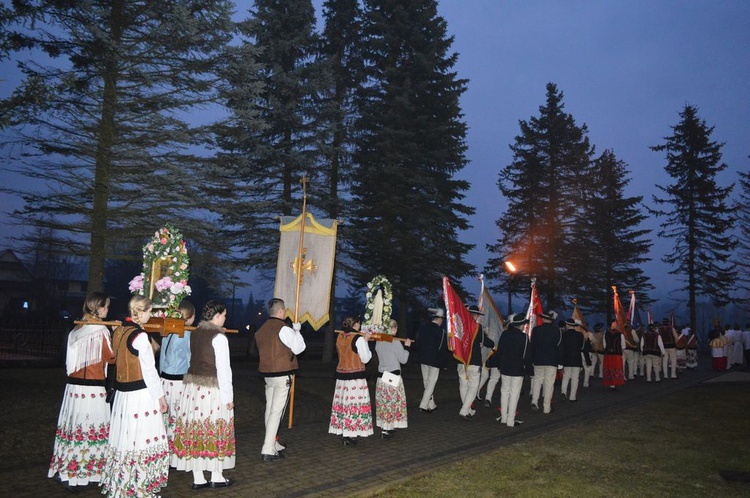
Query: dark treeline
132, 114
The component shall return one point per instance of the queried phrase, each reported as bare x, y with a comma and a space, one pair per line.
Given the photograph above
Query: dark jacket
572, 345
511, 349
432, 345
546, 345
480, 340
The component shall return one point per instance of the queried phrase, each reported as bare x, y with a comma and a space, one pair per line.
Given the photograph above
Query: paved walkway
318, 465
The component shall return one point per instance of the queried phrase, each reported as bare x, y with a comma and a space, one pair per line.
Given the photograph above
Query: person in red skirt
613, 367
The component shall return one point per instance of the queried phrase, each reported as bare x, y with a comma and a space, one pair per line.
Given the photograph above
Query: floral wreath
378, 283
170, 289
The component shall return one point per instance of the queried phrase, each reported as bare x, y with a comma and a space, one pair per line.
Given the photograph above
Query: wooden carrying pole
298, 271
377, 336
148, 327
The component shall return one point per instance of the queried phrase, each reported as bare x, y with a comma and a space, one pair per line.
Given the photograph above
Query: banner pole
298, 268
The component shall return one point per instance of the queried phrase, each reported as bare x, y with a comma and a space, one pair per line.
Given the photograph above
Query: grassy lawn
675, 447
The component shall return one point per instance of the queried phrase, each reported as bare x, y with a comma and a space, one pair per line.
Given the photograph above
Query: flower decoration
166, 260
376, 320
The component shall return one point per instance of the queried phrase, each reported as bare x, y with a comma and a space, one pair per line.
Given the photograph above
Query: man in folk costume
432, 349
545, 353
469, 375
669, 338
652, 349
573, 338
630, 354
613, 366
278, 347
641, 361
597, 341
511, 358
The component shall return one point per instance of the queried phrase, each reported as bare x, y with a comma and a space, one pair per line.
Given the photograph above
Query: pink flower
163, 240
136, 284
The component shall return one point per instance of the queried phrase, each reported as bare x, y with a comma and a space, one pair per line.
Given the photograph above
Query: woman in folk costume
613, 367
138, 454
174, 361
83, 424
390, 397
204, 433
351, 412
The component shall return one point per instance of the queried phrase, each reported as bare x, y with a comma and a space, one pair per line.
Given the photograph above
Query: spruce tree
408, 203
743, 254
610, 245
341, 76
102, 118
696, 212
276, 155
543, 187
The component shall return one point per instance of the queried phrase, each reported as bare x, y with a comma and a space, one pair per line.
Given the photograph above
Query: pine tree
102, 116
610, 246
341, 76
543, 186
697, 215
274, 156
408, 208
743, 253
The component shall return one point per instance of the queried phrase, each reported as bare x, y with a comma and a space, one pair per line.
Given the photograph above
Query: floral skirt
681, 358
138, 456
82, 435
351, 412
173, 394
614, 373
204, 431
390, 406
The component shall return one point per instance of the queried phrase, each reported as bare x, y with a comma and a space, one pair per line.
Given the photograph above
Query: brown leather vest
349, 360
651, 343
128, 366
275, 357
665, 331
614, 343
202, 355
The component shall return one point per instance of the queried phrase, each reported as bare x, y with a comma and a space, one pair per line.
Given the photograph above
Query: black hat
665, 321
475, 310
599, 326
550, 315
570, 322
516, 319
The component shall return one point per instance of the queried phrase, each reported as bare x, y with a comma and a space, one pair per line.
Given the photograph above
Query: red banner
620, 317
534, 311
462, 328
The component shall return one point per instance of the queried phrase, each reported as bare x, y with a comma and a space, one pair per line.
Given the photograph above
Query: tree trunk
103, 166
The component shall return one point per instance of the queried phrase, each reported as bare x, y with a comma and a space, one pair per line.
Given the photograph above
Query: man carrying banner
469, 374
432, 348
545, 352
278, 344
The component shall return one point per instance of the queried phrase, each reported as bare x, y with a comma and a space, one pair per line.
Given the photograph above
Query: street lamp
511, 270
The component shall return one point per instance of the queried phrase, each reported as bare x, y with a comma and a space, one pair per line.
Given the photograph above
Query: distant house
16, 285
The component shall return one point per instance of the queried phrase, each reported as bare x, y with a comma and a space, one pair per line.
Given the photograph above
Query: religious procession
153, 394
